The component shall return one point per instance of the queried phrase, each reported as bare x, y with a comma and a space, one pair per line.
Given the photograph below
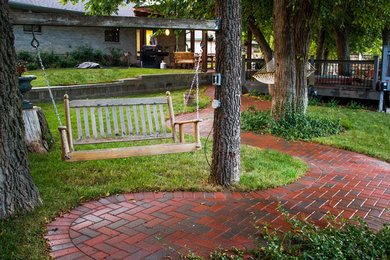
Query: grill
151, 56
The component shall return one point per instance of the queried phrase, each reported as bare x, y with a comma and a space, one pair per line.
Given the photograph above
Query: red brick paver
154, 225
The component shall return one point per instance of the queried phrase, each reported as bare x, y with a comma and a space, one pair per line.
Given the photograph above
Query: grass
64, 185
367, 132
72, 76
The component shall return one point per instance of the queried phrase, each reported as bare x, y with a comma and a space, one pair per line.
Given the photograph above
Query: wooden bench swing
130, 123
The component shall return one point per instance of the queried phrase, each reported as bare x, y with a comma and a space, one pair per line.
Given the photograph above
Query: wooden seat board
133, 151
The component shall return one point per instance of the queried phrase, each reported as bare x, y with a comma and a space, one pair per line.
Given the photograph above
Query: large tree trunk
303, 14
264, 47
284, 87
17, 188
320, 51
263, 44
386, 36
225, 168
342, 46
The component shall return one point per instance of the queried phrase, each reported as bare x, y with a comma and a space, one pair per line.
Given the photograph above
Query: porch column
249, 49
204, 55
192, 41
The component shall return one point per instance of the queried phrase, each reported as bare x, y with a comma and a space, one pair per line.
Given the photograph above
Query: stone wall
141, 85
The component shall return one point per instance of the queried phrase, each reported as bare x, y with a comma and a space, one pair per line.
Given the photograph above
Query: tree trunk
320, 51
303, 14
342, 46
17, 188
263, 44
264, 47
386, 36
225, 168
284, 87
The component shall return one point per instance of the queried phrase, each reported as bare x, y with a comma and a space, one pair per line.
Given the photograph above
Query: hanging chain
35, 44
196, 78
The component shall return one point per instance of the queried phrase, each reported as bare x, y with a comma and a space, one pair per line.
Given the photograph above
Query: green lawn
65, 185
367, 132
72, 76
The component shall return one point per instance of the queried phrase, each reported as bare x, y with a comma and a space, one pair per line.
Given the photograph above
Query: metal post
376, 72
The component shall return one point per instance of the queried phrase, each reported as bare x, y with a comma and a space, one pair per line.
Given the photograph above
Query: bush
49, 59
30, 60
339, 240
67, 62
81, 54
292, 127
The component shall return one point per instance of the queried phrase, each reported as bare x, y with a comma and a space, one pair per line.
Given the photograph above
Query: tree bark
342, 46
321, 44
303, 15
284, 87
225, 168
386, 36
263, 44
17, 188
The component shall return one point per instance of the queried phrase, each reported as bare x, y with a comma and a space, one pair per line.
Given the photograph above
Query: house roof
55, 6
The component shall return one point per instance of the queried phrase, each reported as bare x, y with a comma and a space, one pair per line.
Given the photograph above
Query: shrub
83, 53
291, 127
341, 239
67, 62
31, 61
49, 59
333, 102
355, 105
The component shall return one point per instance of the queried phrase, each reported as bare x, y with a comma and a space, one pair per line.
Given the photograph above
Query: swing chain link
35, 44
196, 78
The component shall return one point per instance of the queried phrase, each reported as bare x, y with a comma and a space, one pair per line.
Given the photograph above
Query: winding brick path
154, 225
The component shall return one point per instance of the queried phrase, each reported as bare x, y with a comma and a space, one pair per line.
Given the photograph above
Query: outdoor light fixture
167, 32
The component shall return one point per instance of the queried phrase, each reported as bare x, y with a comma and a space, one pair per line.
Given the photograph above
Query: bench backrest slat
79, 128
135, 112
93, 120
142, 115
123, 125
115, 117
86, 123
156, 123
164, 128
101, 123
150, 122
108, 122
129, 121
119, 119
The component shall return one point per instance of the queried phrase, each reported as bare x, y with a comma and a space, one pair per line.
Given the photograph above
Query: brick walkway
127, 226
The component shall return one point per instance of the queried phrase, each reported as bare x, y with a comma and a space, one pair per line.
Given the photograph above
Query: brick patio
153, 225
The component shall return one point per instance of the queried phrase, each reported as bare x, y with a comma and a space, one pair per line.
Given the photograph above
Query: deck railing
342, 73
346, 73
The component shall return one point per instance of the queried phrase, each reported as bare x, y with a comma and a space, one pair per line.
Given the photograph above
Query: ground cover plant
291, 127
341, 239
364, 131
71, 76
65, 185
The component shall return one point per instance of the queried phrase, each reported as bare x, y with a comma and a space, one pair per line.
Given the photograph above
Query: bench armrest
196, 130
188, 121
64, 142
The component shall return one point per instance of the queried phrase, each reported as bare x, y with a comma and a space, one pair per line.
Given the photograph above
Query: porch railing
346, 73
341, 73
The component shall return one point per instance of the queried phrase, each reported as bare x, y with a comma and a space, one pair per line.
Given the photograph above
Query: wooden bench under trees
122, 120
186, 58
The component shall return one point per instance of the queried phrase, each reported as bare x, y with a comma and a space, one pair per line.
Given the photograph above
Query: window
29, 28
111, 35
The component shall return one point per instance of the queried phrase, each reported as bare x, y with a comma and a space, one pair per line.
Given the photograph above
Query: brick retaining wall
141, 85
